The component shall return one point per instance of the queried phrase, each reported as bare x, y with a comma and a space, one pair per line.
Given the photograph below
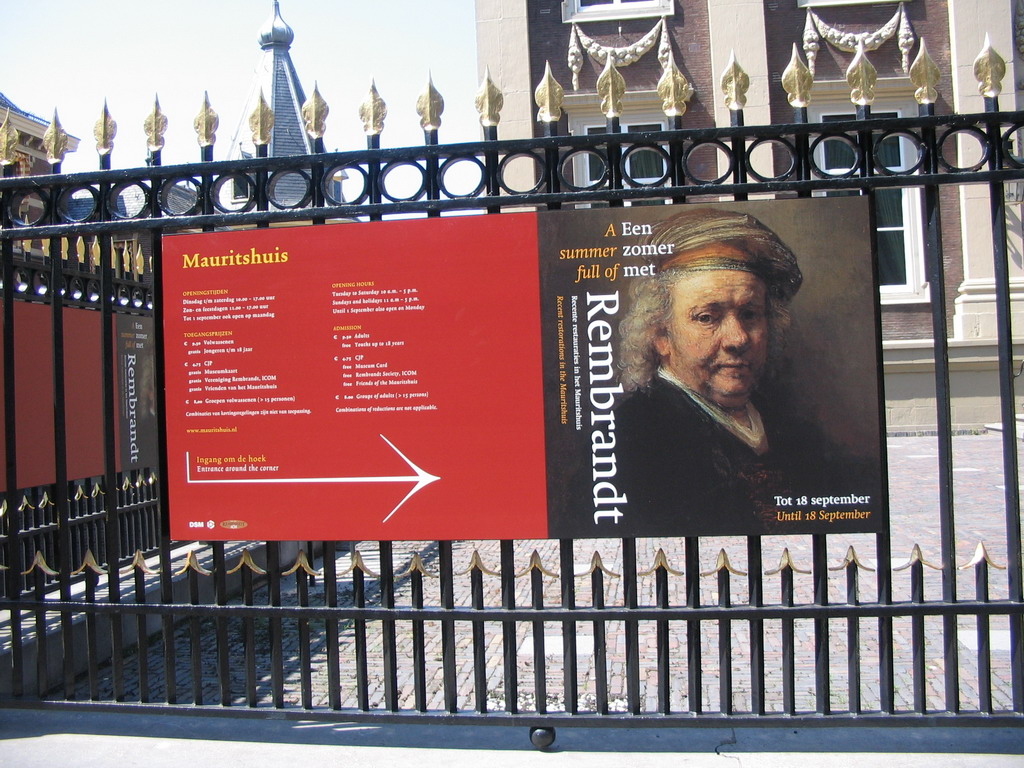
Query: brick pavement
913, 489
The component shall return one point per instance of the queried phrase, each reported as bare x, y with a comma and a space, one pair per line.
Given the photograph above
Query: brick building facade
518, 38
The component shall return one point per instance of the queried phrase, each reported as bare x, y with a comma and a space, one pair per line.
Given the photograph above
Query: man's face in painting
716, 342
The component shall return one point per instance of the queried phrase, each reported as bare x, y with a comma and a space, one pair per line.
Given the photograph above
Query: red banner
360, 381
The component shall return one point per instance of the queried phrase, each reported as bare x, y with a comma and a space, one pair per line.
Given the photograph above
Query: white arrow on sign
421, 478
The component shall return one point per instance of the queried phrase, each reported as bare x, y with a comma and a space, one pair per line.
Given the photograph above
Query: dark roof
6, 104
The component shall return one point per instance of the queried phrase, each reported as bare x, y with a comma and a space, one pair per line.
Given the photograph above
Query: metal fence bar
755, 598
853, 637
1000, 255
509, 646
387, 600
725, 688
540, 688
630, 600
476, 591
567, 580
220, 589
331, 626
984, 640
419, 660
447, 577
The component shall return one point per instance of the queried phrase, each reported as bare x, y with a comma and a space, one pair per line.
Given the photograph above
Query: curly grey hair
765, 255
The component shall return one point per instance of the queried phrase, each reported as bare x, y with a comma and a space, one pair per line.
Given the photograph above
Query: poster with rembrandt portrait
644, 371
711, 369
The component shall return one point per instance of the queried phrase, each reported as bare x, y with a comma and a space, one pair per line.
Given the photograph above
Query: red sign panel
360, 381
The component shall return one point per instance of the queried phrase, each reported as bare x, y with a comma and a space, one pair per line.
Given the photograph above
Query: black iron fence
102, 609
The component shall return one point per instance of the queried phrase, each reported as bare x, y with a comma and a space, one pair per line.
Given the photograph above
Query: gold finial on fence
247, 561
477, 563
429, 107
674, 89
358, 564
3, 508
981, 555
97, 490
80, 493
302, 562
611, 87
489, 101
104, 131
416, 565
596, 564
917, 557
786, 561
39, 562
25, 504
95, 251
862, 77
373, 111
46, 501
549, 97
722, 563
55, 140
138, 563
660, 561
8, 141
261, 122
140, 259
206, 123
192, 563
851, 558
89, 563
925, 75
155, 126
314, 114
735, 84
535, 564
797, 81
989, 70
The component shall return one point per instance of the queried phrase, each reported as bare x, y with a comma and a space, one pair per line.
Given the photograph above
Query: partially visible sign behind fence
667, 370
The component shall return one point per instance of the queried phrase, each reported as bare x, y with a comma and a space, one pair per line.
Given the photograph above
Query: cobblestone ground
978, 489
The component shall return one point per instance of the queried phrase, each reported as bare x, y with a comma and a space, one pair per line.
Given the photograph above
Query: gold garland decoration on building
621, 56
815, 30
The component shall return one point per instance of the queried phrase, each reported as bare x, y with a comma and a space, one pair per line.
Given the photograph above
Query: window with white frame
598, 10
897, 212
816, 3
642, 166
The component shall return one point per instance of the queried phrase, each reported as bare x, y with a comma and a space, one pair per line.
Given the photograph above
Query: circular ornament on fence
179, 197
289, 189
462, 176
77, 204
525, 164
767, 151
128, 201
403, 175
963, 149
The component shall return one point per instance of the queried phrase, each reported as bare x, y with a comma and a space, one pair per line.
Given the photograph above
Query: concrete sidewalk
45, 738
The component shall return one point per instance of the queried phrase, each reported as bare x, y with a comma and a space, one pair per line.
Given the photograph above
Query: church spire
276, 78
275, 31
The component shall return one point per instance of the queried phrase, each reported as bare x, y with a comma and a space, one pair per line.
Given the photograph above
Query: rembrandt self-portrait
699, 436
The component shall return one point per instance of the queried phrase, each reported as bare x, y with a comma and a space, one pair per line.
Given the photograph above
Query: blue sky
73, 54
